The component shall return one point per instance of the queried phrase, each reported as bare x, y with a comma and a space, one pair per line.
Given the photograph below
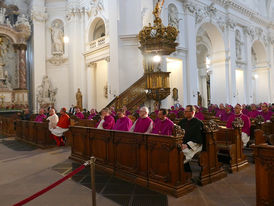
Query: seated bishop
254, 112
143, 124
79, 114
246, 128
266, 112
41, 116
123, 123
61, 127
163, 125
107, 121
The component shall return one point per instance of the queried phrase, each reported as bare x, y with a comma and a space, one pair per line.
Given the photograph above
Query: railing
132, 97
98, 42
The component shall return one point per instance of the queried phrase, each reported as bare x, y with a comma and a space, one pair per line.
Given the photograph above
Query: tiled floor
117, 190
236, 189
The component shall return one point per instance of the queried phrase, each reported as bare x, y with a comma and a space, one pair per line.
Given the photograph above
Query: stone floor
25, 170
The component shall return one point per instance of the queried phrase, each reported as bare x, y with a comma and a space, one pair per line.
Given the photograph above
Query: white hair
146, 109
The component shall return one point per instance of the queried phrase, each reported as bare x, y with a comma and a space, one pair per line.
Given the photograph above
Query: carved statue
46, 93
22, 19
238, 45
200, 100
79, 99
175, 94
57, 35
96, 6
2, 15
158, 8
173, 16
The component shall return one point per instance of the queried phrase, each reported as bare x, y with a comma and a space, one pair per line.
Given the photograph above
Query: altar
13, 71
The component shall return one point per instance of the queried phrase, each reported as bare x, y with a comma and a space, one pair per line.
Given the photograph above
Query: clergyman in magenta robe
41, 116
143, 124
220, 111
266, 113
163, 125
254, 112
199, 115
123, 123
246, 120
107, 121
80, 115
92, 114
225, 116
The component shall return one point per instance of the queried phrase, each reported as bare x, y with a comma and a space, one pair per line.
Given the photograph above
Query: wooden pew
265, 133
211, 169
264, 167
34, 133
7, 125
135, 157
74, 121
230, 145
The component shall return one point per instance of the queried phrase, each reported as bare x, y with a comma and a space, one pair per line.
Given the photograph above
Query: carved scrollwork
238, 123
178, 132
259, 120
211, 126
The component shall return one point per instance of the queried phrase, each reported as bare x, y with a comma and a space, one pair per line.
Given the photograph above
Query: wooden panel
7, 125
35, 133
25, 127
129, 144
80, 142
99, 145
32, 131
211, 169
264, 165
230, 142
149, 160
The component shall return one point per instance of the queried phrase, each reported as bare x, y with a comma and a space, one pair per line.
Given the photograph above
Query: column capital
39, 16
20, 46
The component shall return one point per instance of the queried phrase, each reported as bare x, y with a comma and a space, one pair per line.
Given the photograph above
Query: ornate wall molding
39, 16
252, 15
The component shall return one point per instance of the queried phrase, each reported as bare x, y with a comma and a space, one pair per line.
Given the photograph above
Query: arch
260, 52
216, 70
261, 75
97, 29
13, 35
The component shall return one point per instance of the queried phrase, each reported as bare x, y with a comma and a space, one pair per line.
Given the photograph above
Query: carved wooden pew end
230, 147
211, 169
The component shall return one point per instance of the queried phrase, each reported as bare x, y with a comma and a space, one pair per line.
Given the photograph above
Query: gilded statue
158, 8
79, 99
199, 99
175, 94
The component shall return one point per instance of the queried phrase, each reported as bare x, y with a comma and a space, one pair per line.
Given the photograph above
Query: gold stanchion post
92, 173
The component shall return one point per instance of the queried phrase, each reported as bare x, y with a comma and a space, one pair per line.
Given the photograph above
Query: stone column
203, 75
90, 78
22, 66
191, 64
231, 62
38, 71
248, 69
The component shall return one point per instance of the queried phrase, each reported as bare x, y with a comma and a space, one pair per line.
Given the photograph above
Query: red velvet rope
50, 187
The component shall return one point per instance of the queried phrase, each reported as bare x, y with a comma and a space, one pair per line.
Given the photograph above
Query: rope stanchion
79, 169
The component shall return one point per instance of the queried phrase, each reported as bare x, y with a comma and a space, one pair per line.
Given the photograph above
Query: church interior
137, 102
